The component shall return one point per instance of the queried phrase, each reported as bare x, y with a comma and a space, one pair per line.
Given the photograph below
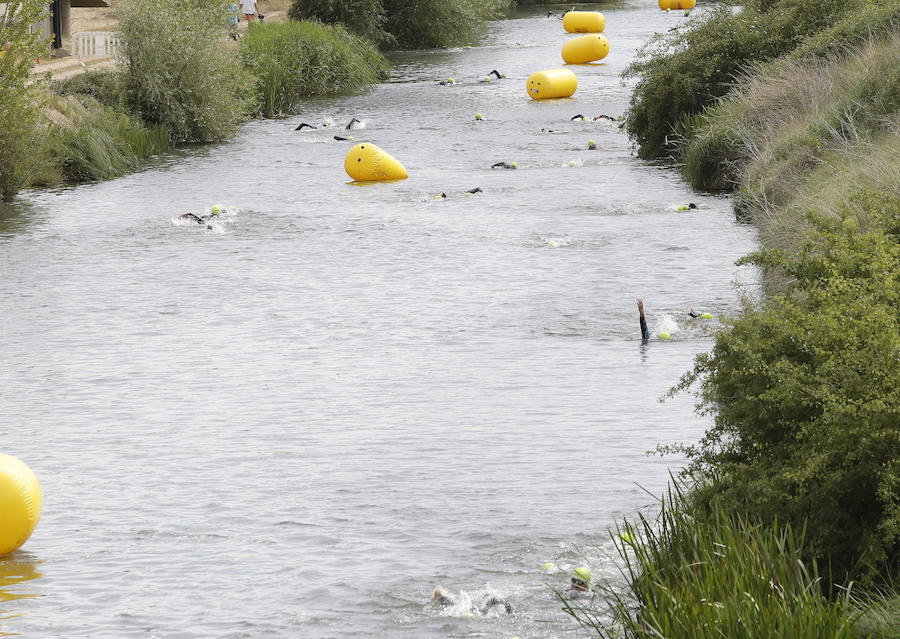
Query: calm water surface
299, 422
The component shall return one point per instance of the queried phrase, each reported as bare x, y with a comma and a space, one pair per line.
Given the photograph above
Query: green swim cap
665, 335
683, 207
216, 209
583, 574
548, 567
514, 165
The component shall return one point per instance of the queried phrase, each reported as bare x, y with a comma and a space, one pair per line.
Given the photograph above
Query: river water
298, 422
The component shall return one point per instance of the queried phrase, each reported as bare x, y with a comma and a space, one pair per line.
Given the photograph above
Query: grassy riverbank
791, 515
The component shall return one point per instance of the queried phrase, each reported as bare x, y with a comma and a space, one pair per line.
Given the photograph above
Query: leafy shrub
295, 60
428, 24
682, 72
363, 17
180, 72
21, 142
805, 394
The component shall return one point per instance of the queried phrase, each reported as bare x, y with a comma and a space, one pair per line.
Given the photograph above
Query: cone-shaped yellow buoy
553, 83
21, 501
584, 22
588, 48
367, 163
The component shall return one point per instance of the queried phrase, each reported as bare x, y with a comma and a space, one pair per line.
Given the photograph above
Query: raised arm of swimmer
645, 332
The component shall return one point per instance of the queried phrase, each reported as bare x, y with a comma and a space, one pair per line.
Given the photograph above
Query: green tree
21, 145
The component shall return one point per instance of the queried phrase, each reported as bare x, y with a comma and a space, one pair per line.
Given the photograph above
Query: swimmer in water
578, 117
580, 584
603, 116
645, 332
340, 139
352, 122
200, 219
505, 165
496, 73
304, 124
443, 196
445, 599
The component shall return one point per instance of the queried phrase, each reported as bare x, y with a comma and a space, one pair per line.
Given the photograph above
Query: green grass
715, 574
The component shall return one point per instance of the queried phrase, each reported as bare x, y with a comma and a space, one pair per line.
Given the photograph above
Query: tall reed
295, 60
714, 574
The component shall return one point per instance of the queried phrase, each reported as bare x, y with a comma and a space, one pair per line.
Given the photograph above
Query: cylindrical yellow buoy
584, 22
677, 4
588, 48
367, 163
553, 83
21, 501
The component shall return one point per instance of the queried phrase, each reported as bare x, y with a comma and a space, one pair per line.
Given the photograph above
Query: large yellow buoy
584, 22
588, 48
367, 163
552, 83
21, 501
677, 4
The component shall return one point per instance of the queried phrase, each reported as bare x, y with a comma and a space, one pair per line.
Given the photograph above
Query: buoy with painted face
589, 48
366, 162
584, 22
21, 501
552, 83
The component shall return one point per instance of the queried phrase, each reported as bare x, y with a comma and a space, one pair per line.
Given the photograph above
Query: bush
295, 60
180, 72
715, 574
21, 143
363, 17
805, 394
681, 73
429, 24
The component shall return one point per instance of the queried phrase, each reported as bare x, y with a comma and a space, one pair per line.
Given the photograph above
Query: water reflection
16, 569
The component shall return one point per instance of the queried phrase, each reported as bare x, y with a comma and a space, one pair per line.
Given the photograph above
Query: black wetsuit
645, 332
303, 124
502, 165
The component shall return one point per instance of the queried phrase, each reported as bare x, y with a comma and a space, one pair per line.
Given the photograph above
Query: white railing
95, 44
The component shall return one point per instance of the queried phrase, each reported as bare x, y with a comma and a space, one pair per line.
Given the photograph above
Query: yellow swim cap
216, 209
582, 574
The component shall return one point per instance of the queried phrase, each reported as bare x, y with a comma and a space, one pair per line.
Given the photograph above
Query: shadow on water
16, 216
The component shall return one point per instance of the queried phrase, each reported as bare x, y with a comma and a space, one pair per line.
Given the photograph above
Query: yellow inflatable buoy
21, 501
367, 163
584, 22
677, 4
553, 83
585, 49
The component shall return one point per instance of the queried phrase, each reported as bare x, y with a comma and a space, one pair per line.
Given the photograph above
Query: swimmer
645, 332
578, 117
445, 599
340, 139
592, 146
498, 74
580, 584
352, 122
304, 124
505, 165
695, 314
447, 82
550, 131
603, 116
443, 196
200, 219
686, 207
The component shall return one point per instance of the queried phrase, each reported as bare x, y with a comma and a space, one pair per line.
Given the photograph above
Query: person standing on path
248, 8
